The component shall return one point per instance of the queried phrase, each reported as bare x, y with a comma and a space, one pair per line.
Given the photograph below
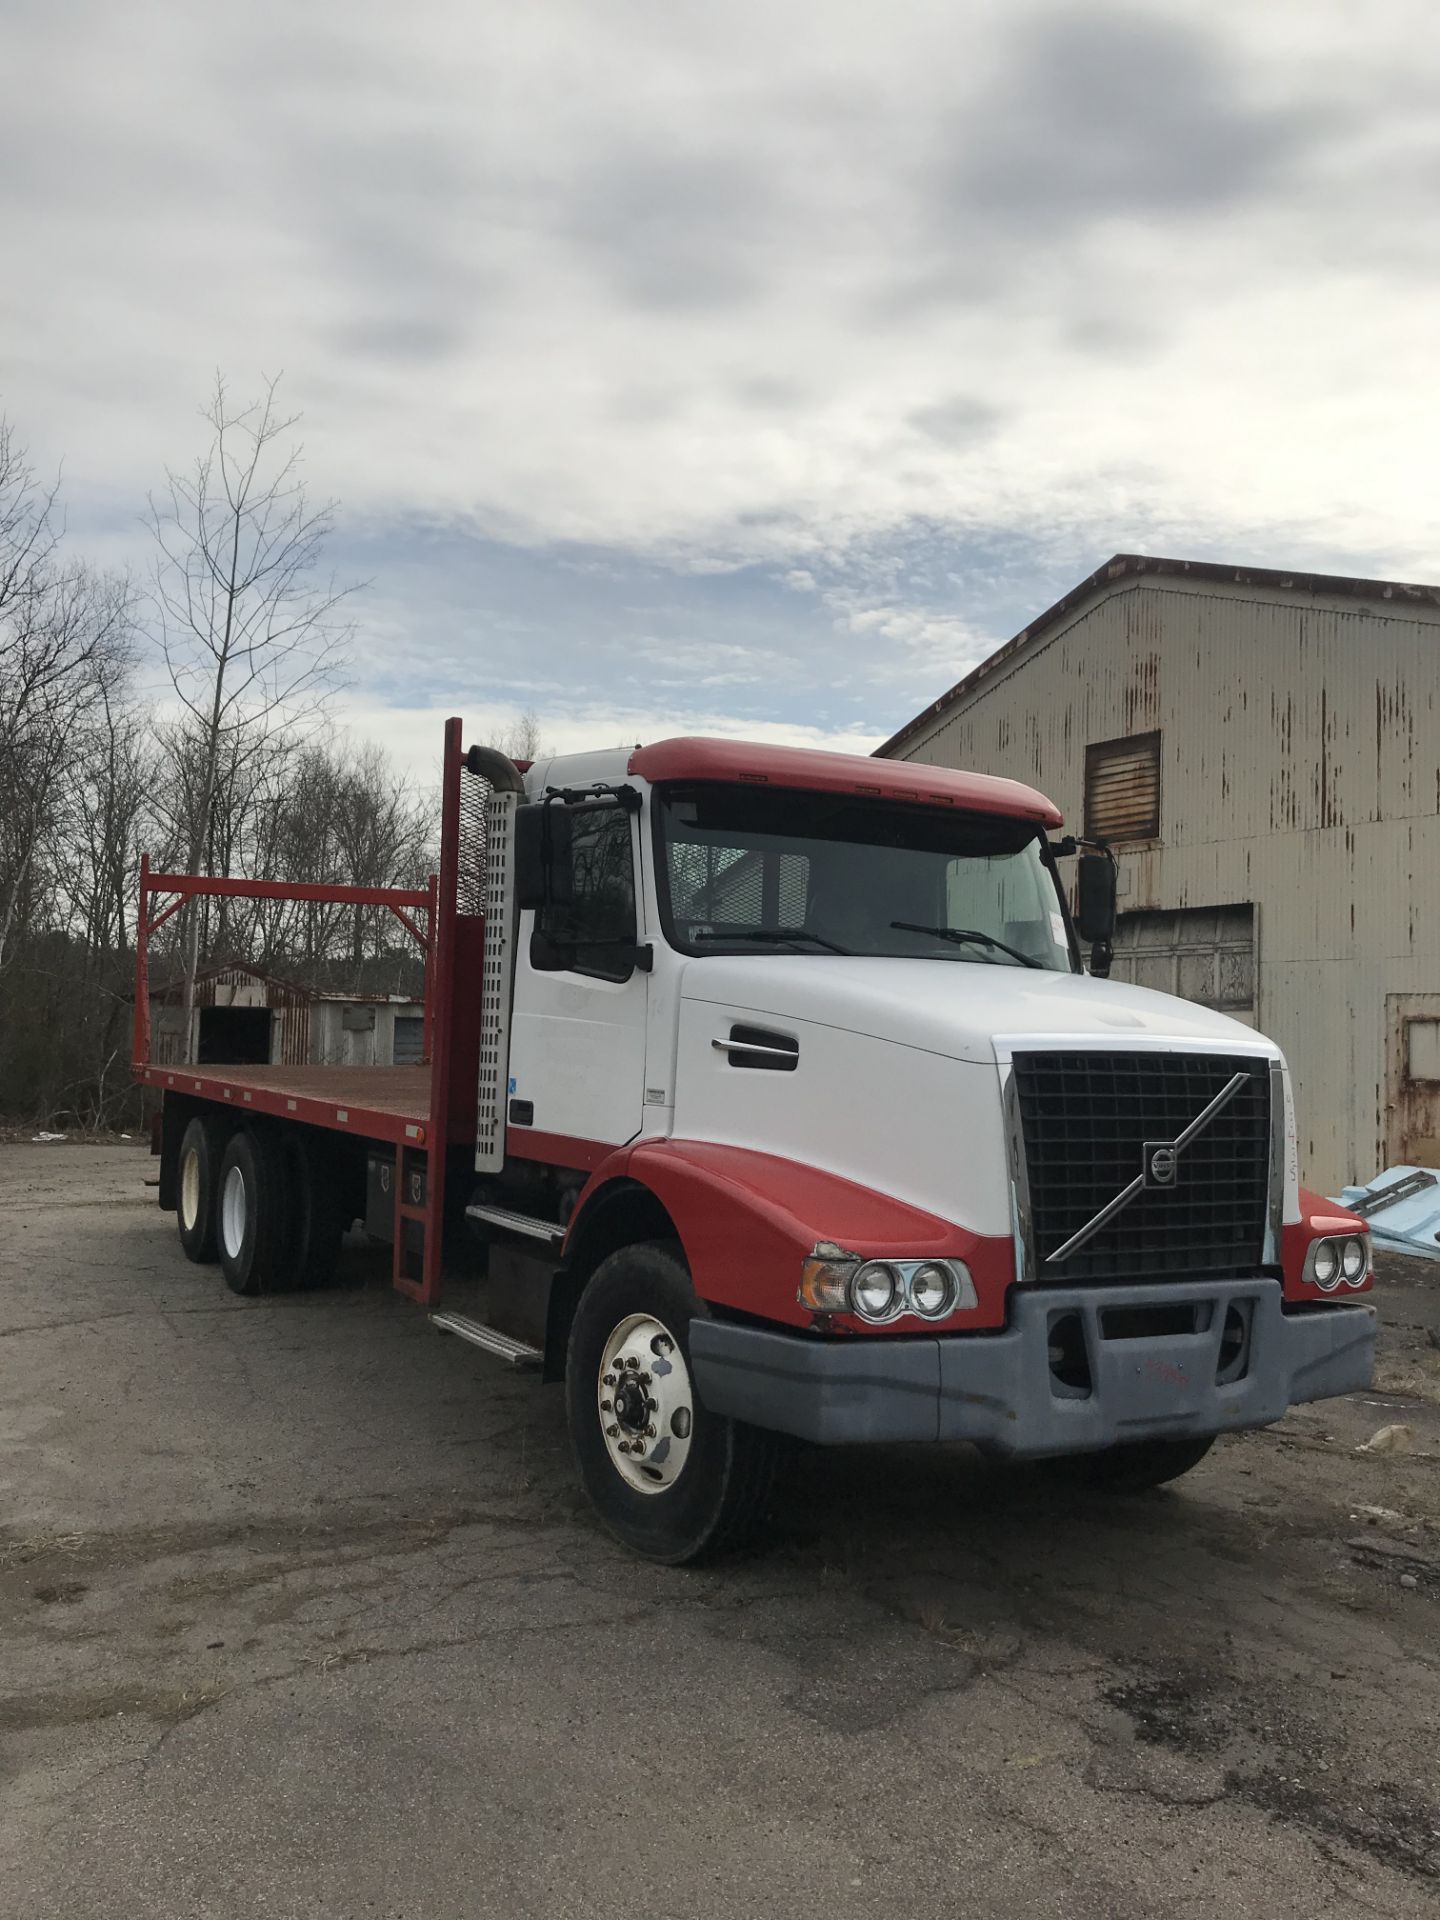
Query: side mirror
544, 864
1095, 920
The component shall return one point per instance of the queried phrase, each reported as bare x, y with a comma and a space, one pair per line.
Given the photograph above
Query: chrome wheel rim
232, 1212
190, 1190
646, 1404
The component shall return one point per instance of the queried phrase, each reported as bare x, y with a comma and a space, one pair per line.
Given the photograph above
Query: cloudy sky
754, 365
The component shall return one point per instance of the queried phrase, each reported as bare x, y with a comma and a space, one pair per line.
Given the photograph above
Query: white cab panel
892, 1118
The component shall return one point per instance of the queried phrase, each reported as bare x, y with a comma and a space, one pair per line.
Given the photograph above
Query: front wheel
1132, 1467
669, 1479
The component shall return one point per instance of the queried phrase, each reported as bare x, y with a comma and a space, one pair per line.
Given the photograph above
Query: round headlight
1325, 1268
875, 1291
1353, 1262
932, 1290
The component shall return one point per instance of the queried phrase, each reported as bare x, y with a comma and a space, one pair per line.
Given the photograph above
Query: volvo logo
1162, 1163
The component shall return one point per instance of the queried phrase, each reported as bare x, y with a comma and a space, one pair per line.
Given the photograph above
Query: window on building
1122, 789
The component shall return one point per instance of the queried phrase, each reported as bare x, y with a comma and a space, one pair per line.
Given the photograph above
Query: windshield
746, 870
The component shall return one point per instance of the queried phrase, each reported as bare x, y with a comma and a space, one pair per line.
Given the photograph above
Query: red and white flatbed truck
779, 1102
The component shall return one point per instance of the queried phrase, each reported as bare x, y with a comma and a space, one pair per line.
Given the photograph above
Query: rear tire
315, 1219
197, 1171
699, 1483
1132, 1468
251, 1212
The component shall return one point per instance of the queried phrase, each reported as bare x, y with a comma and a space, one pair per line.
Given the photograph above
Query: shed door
409, 1039
1412, 1048
1205, 954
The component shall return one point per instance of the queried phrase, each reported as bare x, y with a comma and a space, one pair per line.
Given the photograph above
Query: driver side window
595, 933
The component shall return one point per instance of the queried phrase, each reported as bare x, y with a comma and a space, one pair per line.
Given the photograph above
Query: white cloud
701, 287
413, 736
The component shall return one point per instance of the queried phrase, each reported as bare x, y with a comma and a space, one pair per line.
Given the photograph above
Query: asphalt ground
302, 1614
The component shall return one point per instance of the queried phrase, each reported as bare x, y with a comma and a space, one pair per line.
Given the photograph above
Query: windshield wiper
967, 936
773, 935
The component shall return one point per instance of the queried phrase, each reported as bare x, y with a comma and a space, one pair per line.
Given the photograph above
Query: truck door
577, 1036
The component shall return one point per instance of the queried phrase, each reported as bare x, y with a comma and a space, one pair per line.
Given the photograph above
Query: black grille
1086, 1118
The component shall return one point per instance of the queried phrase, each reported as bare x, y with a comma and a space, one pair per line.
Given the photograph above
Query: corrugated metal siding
1301, 771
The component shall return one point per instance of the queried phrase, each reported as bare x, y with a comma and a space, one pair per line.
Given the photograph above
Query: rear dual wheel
202, 1148
278, 1213
670, 1479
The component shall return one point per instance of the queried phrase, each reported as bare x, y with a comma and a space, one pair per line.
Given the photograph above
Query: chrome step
526, 1223
517, 1352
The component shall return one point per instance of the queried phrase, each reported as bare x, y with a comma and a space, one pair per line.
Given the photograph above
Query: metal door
1412, 1050
1205, 954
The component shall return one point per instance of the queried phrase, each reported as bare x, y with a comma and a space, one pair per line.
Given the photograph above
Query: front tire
668, 1478
252, 1213
1133, 1467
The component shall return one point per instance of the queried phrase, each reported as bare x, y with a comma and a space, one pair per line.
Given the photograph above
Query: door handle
752, 1046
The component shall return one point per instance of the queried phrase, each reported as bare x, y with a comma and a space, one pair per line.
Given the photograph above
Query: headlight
1325, 1265
833, 1281
1354, 1261
932, 1291
875, 1291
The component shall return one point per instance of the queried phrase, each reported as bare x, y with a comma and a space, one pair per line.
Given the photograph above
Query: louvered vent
1122, 789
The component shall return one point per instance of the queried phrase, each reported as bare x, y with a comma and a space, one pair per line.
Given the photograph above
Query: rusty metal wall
1300, 770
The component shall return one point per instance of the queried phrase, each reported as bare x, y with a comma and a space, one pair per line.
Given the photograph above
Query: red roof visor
747, 763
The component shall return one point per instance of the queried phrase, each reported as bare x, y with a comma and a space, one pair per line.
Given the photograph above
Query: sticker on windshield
1057, 928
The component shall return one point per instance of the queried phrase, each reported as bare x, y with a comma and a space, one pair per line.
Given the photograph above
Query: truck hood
955, 1008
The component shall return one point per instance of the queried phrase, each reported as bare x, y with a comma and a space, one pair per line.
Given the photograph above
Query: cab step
523, 1223
517, 1353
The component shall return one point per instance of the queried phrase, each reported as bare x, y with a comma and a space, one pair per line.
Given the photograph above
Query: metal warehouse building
1263, 751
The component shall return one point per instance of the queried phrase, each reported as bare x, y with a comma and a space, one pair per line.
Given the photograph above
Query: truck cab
827, 1133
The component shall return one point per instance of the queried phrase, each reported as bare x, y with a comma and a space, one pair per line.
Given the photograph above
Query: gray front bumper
998, 1390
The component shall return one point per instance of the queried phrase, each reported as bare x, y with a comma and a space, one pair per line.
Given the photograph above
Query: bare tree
64, 636
521, 739
249, 636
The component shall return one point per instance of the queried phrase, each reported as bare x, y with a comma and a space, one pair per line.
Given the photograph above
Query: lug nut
608, 1380
624, 1446
605, 1407
631, 1361
650, 1432
638, 1447
612, 1430
644, 1379
652, 1406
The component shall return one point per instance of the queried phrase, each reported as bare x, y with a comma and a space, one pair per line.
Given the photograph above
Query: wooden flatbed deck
372, 1103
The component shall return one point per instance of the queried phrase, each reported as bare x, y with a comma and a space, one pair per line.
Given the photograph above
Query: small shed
246, 1017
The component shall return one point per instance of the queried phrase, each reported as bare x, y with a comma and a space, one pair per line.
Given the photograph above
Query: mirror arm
1075, 842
